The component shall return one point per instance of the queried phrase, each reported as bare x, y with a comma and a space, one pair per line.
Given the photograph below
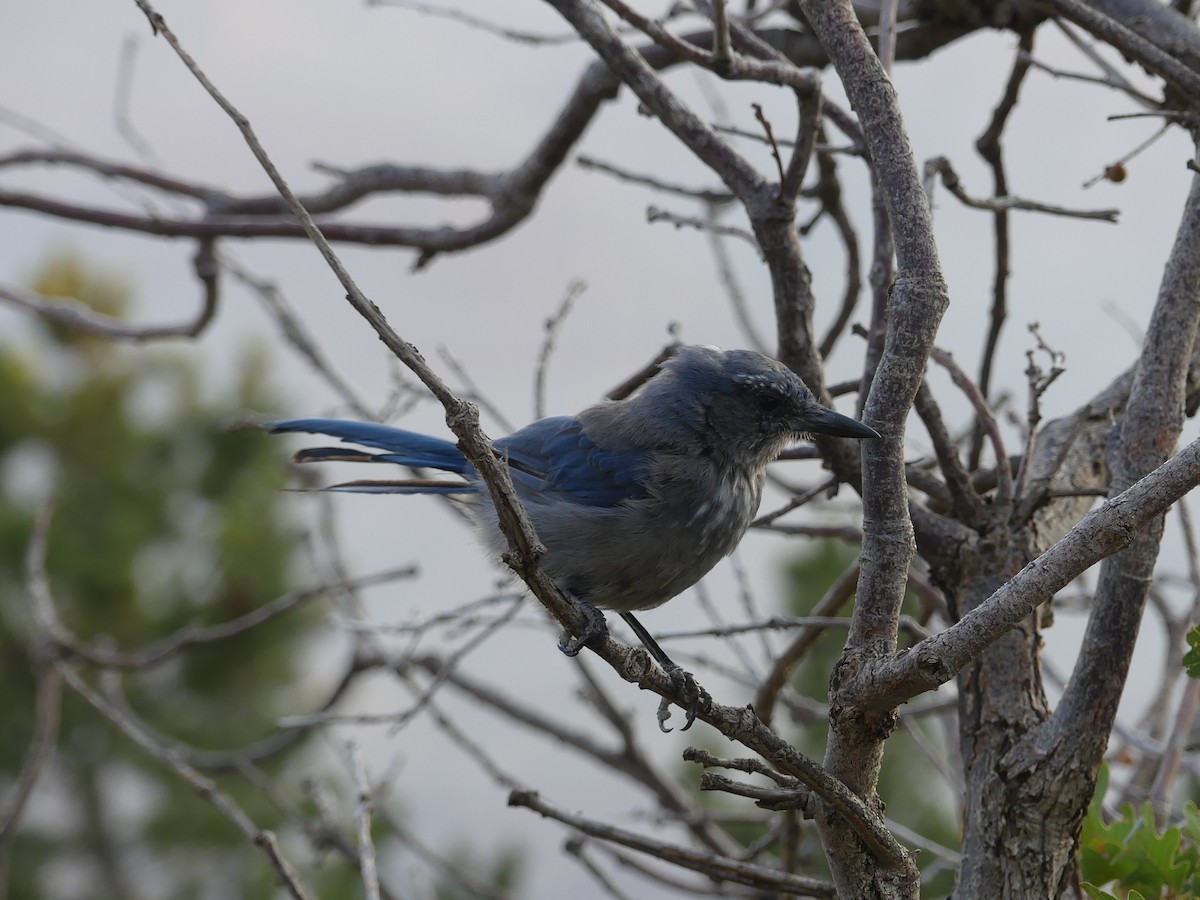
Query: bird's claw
693, 698
596, 627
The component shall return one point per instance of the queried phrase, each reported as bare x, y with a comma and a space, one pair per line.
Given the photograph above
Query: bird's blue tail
405, 448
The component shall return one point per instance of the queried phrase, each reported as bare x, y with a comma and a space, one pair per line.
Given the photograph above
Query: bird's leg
595, 627
694, 697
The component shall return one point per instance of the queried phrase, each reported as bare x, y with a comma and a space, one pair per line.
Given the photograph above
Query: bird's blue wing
552, 455
407, 448
557, 456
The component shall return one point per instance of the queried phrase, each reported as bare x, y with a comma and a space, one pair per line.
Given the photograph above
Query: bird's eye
768, 401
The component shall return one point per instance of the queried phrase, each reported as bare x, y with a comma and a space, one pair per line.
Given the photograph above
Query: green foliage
1096, 893
164, 517
1191, 659
1132, 855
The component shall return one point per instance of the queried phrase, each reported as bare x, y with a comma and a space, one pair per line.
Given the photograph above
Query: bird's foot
596, 627
693, 698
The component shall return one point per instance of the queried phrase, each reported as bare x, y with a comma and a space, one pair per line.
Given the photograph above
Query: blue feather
556, 455
406, 448
551, 456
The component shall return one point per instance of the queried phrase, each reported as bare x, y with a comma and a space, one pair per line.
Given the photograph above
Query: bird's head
747, 406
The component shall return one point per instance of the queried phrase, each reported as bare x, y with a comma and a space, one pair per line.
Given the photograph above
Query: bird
635, 499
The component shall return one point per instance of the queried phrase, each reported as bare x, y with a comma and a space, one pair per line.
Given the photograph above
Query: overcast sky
346, 85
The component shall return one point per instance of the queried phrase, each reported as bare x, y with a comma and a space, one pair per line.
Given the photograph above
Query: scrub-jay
635, 499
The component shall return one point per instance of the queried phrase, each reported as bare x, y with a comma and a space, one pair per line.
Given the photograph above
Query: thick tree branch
1099, 534
1148, 431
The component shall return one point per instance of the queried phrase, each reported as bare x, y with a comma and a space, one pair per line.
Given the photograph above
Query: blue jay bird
635, 499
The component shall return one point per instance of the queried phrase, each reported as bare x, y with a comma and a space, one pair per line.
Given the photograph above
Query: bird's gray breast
643, 552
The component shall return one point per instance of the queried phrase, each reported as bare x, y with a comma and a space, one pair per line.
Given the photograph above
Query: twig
76, 315
735, 647
574, 847
468, 744
275, 744
940, 165
722, 49
968, 506
451, 869
749, 765
771, 68
205, 787
748, 601
770, 133
401, 718
808, 125
448, 665
1039, 382
295, 332
1156, 59
574, 291
721, 869
777, 799
989, 147
704, 888
801, 499
324, 833
1114, 167
471, 389
887, 34
772, 623
463, 614
756, 136
457, 15
838, 594
121, 102
1004, 487
363, 809
195, 635
1113, 76
654, 214
733, 290
953, 857
829, 193
1169, 762
47, 717
707, 195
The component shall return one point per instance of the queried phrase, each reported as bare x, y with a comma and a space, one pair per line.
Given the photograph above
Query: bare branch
1123, 37
79, 317
940, 165
1099, 534
838, 594
574, 847
969, 507
47, 716
574, 291
295, 332
364, 808
989, 147
721, 869
457, 15
205, 787
708, 196
654, 214
986, 420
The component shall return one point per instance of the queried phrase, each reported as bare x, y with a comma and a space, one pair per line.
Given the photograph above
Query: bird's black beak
826, 421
